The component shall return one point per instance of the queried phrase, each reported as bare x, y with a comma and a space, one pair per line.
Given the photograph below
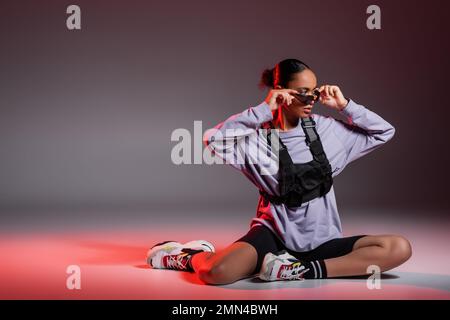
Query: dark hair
282, 73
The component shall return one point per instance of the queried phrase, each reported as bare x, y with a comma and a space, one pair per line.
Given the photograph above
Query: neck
284, 121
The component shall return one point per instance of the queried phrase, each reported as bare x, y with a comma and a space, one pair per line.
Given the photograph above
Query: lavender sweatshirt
317, 221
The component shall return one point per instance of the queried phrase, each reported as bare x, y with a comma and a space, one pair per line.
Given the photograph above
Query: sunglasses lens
303, 98
308, 99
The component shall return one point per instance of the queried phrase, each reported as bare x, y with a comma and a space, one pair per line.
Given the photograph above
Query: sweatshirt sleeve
225, 139
363, 132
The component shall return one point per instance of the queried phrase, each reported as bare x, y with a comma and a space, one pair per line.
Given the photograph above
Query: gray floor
110, 249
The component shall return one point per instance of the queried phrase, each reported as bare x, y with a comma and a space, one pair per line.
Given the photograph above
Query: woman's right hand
277, 97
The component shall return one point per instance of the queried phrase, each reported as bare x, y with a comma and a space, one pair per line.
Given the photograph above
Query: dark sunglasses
308, 98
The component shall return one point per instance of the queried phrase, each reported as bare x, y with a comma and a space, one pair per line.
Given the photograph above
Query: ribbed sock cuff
323, 268
318, 270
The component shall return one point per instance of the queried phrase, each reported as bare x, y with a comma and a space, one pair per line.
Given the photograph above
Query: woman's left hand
331, 96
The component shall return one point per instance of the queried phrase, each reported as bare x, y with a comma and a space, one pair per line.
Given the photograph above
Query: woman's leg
384, 251
235, 262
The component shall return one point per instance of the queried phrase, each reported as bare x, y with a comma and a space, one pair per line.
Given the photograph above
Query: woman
288, 242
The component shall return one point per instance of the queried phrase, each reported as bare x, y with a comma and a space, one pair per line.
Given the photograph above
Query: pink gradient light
112, 262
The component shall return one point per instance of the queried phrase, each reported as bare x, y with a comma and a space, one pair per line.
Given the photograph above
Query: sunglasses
308, 98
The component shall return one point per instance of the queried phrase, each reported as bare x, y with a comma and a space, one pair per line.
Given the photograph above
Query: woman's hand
277, 97
331, 96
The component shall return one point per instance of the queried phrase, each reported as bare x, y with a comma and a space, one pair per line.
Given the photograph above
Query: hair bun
282, 73
266, 79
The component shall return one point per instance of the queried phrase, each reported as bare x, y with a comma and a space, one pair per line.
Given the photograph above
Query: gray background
86, 116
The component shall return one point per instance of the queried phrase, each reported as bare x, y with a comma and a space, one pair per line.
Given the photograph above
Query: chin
299, 111
304, 114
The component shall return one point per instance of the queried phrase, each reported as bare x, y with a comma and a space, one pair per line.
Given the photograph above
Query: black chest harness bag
300, 182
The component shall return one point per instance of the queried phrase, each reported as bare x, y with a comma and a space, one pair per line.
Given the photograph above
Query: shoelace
293, 271
178, 261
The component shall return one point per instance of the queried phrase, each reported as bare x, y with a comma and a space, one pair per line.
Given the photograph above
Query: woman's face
304, 81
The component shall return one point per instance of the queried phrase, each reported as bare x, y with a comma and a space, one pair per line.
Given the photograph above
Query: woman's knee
400, 249
234, 263
397, 250
215, 273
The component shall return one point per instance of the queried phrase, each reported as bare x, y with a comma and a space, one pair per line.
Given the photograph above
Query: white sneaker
174, 255
283, 266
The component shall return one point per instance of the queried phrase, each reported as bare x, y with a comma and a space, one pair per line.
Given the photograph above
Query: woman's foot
174, 255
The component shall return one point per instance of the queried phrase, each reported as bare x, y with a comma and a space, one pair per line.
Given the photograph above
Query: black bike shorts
264, 241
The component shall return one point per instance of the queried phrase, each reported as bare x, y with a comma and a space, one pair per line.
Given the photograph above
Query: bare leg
384, 251
235, 262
